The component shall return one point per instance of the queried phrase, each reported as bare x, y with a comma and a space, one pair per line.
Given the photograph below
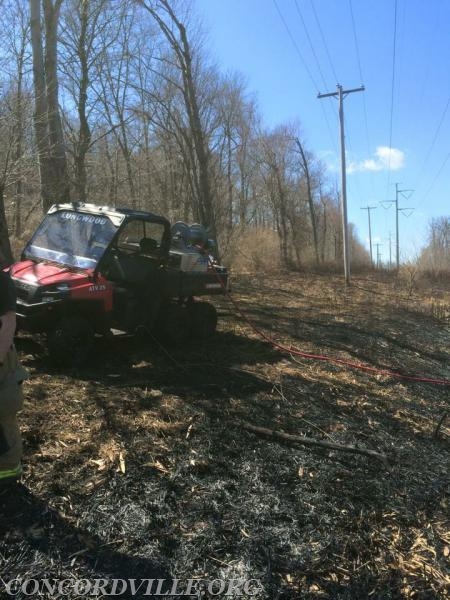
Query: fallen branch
300, 439
438, 426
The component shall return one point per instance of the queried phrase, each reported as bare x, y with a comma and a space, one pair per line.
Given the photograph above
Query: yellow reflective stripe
11, 472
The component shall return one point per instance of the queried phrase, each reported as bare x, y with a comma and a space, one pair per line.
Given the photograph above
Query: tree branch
305, 441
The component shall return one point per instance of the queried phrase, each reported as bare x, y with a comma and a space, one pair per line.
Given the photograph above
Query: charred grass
138, 466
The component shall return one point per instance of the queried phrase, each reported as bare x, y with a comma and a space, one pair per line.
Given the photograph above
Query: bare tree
88, 28
47, 119
435, 257
8, 164
232, 135
115, 87
174, 30
15, 30
274, 172
312, 211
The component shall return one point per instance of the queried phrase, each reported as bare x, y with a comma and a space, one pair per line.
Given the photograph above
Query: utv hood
40, 274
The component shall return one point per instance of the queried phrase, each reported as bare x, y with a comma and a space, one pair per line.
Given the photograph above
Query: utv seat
136, 268
148, 247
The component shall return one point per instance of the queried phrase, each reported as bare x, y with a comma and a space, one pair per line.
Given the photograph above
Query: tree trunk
40, 103
312, 211
18, 152
60, 182
6, 257
182, 49
84, 140
324, 232
229, 185
123, 143
47, 121
202, 153
283, 218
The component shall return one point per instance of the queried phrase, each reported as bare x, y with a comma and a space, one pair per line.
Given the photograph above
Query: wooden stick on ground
300, 439
438, 426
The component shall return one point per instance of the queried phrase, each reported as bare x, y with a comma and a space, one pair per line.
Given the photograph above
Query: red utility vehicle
90, 269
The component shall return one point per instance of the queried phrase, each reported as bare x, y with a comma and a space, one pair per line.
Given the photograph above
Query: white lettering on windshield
69, 216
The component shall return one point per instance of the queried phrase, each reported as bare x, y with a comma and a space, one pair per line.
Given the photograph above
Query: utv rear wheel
70, 342
203, 320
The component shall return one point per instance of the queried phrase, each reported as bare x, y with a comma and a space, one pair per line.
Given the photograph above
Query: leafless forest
117, 102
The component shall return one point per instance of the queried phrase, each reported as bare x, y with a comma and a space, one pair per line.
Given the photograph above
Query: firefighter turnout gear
12, 375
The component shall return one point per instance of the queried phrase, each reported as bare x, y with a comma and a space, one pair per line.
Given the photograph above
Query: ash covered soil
140, 466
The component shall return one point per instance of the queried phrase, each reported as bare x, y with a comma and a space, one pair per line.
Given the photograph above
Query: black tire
70, 342
203, 320
173, 324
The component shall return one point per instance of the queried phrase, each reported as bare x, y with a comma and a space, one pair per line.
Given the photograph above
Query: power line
311, 45
406, 194
296, 46
392, 94
436, 177
306, 68
355, 40
358, 56
336, 78
438, 129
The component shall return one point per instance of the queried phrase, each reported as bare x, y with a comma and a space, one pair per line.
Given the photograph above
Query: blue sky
398, 130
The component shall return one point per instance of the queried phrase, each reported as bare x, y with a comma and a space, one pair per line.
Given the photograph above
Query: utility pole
406, 194
390, 250
369, 208
341, 94
378, 255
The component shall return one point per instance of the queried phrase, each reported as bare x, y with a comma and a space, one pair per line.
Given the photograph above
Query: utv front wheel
70, 342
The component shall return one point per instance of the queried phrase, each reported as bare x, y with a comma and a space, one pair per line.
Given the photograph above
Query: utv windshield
71, 238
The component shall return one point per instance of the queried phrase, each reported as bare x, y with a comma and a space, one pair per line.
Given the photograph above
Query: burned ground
139, 466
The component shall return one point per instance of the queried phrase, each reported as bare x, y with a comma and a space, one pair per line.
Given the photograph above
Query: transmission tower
406, 194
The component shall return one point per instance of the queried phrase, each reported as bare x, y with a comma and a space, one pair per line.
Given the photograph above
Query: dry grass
137, 467
252, 251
